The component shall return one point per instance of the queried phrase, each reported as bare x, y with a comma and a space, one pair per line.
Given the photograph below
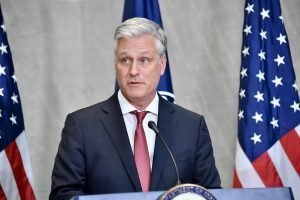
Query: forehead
146, 43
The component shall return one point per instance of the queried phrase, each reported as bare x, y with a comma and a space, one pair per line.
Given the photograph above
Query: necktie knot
139, 116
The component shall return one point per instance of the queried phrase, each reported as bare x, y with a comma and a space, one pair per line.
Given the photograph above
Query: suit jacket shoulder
110, 104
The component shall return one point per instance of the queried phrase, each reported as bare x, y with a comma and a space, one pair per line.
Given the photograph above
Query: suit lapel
166, 124
114, 124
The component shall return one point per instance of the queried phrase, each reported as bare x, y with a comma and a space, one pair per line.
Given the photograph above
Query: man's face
138, 68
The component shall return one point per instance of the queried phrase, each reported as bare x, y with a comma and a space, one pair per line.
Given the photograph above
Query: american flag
150, 9
15, 167
268, 146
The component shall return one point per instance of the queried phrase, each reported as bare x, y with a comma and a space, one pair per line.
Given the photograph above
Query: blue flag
150, 9
268, 147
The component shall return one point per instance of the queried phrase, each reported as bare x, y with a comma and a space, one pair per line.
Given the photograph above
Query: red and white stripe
15, 171
277, 167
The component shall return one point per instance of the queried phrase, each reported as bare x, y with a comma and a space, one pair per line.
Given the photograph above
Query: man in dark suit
100, 149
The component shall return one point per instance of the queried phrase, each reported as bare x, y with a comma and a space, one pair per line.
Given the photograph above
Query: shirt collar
126, 107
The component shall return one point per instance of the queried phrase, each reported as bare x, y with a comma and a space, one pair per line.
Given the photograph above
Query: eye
145, 60
125, 60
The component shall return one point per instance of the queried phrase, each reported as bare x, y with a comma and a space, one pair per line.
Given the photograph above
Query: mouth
134, 83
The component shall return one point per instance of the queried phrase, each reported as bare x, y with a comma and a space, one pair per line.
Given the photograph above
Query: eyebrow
143, 53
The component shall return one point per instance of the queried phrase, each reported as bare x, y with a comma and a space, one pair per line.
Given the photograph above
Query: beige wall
62, 51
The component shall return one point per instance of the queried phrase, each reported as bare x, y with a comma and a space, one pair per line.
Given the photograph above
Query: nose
134, 69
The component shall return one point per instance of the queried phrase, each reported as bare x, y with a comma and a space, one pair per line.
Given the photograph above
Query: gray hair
137, 27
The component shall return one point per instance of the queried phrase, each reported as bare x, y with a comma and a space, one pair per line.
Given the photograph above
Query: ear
163, 63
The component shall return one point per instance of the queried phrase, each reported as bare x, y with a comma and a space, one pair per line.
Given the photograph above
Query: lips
134, 83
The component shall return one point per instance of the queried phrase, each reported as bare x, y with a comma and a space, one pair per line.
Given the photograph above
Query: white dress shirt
131, 122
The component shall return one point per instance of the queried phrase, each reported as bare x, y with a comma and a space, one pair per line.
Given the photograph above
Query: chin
135, 92
135, 96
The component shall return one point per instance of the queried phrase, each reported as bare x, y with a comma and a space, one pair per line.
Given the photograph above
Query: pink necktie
141, 154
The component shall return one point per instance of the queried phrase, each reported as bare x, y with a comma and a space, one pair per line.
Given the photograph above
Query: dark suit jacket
95, 156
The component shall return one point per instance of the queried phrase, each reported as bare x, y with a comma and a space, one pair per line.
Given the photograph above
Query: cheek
155, 76
120, 73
